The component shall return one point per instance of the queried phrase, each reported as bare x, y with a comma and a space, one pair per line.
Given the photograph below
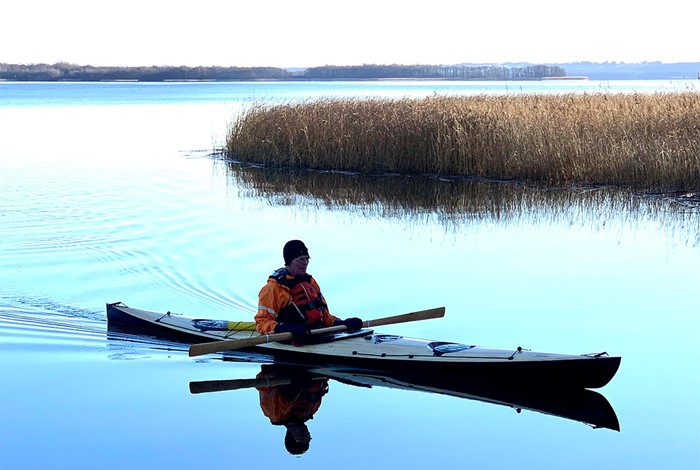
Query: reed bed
630, 140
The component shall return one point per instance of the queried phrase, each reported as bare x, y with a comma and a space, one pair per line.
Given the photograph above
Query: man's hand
300, 332
353, 324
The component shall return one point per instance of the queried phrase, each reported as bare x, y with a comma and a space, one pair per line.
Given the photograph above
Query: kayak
368, 350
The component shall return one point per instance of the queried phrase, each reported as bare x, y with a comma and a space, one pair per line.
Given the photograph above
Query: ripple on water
62, 228
36, 332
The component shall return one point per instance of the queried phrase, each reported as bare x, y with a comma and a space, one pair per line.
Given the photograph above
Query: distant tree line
70, 72
449, 72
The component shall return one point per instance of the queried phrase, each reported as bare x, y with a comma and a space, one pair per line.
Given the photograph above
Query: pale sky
304, 33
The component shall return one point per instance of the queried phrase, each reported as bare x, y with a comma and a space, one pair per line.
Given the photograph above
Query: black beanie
295, 447
293, 249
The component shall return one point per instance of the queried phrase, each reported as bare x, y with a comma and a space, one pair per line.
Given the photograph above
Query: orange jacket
274, 297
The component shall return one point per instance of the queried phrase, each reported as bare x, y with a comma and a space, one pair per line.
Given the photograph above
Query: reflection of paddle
236, 384
218, 346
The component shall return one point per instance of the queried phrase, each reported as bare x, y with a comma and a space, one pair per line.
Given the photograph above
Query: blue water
108, 195
141, 93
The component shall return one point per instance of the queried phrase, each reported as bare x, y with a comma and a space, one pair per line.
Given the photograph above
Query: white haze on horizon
310, 33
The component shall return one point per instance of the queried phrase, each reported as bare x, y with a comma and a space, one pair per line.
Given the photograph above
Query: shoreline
573, 77
364, 80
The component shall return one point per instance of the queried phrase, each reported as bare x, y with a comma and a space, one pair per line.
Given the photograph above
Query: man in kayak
292, 302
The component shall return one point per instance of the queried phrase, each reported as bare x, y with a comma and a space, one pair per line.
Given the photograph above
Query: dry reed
630, 140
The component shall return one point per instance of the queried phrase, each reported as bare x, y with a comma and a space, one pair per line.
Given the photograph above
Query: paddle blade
231, 344
406, 317
218, 346
235, 384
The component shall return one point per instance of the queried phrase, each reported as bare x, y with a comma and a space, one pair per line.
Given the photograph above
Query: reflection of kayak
472, 364
582, 405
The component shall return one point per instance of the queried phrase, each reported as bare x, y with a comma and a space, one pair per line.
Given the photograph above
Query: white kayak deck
380, 347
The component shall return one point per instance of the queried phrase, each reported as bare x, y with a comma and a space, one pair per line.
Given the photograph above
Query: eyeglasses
302, 259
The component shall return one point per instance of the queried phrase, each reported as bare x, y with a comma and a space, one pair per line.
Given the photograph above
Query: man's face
298, 265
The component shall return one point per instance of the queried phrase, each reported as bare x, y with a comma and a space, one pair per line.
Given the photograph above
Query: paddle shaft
218, 346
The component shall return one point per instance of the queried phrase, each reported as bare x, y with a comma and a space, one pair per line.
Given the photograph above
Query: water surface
108, 194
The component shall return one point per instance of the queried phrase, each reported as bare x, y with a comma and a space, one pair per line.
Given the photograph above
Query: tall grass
642, 141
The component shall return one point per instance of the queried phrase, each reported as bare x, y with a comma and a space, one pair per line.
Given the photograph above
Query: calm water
108, 195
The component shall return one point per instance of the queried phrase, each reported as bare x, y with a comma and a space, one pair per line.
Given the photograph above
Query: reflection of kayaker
291, 405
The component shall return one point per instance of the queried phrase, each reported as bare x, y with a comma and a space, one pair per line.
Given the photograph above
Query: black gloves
300, 332
353, 324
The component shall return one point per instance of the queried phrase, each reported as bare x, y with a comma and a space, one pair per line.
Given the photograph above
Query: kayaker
291, 301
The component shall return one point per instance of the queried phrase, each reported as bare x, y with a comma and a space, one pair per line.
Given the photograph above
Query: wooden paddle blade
218, 346
406, 317
236, 384
230, 344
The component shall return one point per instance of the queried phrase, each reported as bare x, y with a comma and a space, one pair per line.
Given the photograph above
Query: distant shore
72, 72
575, 77
462, 72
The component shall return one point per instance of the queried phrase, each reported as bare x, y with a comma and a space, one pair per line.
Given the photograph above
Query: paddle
218, 346
206, 386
